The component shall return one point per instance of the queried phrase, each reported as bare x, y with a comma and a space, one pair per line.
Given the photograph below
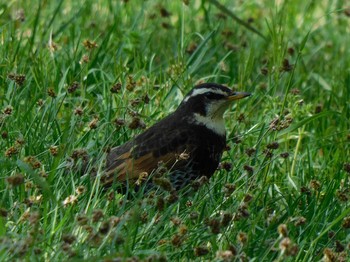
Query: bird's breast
208, 150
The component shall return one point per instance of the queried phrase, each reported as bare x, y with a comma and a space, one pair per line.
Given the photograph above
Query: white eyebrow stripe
200, 91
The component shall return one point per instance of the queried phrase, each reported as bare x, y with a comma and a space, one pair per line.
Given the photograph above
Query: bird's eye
209, 95
212, 96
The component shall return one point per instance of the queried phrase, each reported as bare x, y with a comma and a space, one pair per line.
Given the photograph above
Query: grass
69, 70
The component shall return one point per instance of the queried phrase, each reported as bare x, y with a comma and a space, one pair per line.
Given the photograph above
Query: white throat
217, 125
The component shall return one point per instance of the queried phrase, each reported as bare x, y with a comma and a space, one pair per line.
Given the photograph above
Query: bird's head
206, 103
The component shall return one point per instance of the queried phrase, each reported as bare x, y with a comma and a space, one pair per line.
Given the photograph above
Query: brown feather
129, 169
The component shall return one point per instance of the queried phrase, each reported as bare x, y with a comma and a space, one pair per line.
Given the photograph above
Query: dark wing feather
162, 142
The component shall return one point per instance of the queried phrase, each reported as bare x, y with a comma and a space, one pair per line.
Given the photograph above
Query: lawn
79, 77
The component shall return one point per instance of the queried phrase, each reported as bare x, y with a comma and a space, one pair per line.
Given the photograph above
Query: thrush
189, 142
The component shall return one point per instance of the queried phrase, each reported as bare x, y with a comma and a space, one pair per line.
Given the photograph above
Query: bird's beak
237, 95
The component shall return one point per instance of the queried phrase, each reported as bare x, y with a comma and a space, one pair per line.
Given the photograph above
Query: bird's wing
158, 144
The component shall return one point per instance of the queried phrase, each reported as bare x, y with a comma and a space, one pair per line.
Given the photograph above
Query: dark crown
201, 95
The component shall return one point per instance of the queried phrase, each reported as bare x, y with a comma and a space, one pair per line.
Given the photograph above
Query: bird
189, 142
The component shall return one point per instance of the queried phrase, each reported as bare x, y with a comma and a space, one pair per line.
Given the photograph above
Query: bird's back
166, 142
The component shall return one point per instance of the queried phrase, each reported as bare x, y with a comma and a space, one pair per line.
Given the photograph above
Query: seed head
163, 183
116, 88
34, 218
28, 185
144, 217
104, 227
97, 215
214, 225
183, 156
274, 123
315, 184
135, 102
300, 221
342, 195
339, 247
284, 155
191, 48
250, 151
247, 198
196, 184
225, 255
329, 255
226, 165
177, 240
331, 234
268, 153
15, 180
53, 150
68, 238
142, 178
283, 230
130, 84
201, 251
111, 195
33, 162
8, 110
305, 190
290, 51
273, 145
79, 153
286, 66
229, 189
3, 213
164, 12
70, 200
33, 199
183, 230
242, 238
318, 109
40, 102
264, 71
249, 169
73, 87
20, 15
347, 12
137, 123
114, 221
11, 151
51, 92
288, 248
80, 190
173, 197
226, 219
84, 59
194, 215
295, 91
95, 239
347, 168
89, 45
146, 99
243, 210
17, 78
176, 221
4, 135
78, 111
346, 222
160, 203
94, 123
